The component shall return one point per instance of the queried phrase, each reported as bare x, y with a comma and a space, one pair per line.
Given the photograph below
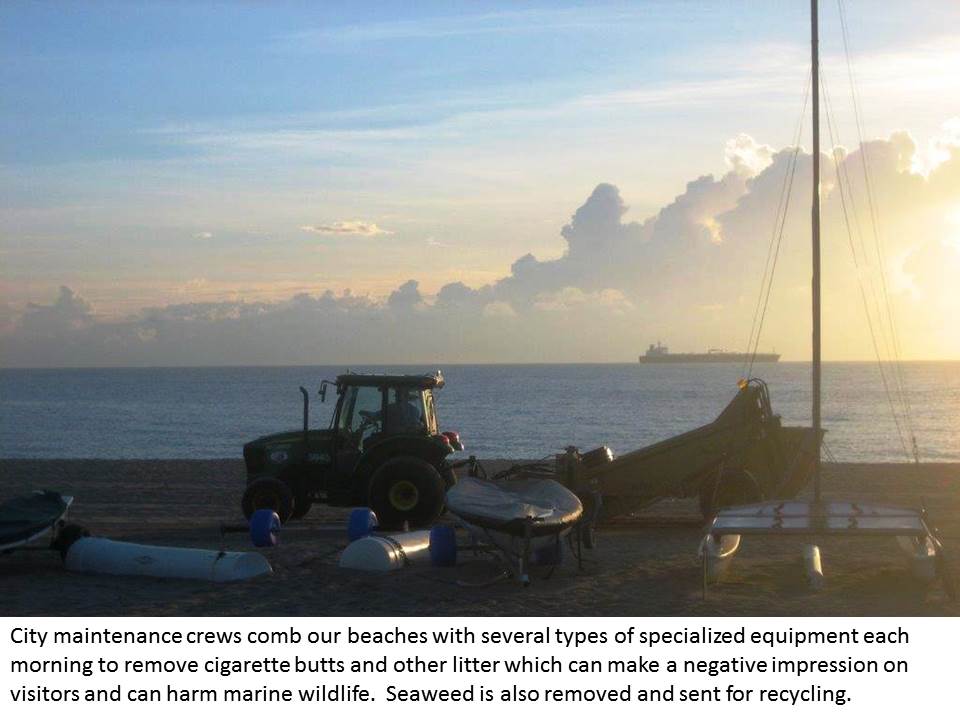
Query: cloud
570, 298
521, 21
347, 227
499, 309
746, 156
205, 235
8, 317
68, 313
939, 149
406, 297
688, 273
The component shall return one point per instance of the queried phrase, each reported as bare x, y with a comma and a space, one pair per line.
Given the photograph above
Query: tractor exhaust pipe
306, 415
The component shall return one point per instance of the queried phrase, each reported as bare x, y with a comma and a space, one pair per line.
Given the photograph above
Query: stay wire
776, 239
844, 191
875, 224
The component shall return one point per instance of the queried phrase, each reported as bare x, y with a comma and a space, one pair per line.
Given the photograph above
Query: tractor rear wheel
406, 490
270, 493
297, 478
735, 486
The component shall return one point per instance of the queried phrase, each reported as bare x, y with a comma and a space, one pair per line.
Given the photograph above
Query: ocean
512, 411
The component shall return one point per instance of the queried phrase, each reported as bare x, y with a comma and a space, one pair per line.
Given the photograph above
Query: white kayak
110, 557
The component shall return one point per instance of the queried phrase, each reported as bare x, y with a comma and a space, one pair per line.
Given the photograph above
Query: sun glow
953, 238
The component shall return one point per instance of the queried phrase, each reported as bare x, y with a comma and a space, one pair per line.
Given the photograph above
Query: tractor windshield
368, 412
361, 414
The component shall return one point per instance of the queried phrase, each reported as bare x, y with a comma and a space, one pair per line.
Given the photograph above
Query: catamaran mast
815, 224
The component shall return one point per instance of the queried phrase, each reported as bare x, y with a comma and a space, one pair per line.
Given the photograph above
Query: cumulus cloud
406, 297
347, 227
498, 309
689, 274
8, 317
746, 156
458, 295
569, 298
939, 148
68, 313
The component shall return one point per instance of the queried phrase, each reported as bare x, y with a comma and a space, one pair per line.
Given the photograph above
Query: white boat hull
110, 557
813, 567
921, 555
800, 518
717, 555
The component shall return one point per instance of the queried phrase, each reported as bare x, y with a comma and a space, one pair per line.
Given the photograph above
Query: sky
311, 183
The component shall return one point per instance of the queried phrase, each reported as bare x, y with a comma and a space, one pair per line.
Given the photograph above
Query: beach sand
645, 565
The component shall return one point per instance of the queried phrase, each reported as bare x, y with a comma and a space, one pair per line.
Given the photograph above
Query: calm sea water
519, 411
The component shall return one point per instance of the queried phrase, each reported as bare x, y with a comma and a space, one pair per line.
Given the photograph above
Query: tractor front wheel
406, 490
301, 505
270, 493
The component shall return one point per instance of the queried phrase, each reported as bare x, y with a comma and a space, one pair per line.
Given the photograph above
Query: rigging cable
844, 192
891, 345
776, 238
875, 225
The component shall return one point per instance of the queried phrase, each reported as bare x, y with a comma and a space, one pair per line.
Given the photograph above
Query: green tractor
383, 450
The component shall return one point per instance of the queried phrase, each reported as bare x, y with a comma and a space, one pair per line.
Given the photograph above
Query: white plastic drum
109, 557
383, 553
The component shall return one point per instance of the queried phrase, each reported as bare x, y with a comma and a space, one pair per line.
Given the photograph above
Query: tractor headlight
278, 456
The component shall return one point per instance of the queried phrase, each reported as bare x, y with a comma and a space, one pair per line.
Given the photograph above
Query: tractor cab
372, 408
382, 425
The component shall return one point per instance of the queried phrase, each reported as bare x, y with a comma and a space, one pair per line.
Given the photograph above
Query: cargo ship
661, 354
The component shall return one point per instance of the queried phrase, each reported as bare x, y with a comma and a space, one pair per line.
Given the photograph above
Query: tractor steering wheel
368, 418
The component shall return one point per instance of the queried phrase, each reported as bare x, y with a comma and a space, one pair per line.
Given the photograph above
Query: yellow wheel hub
404, 496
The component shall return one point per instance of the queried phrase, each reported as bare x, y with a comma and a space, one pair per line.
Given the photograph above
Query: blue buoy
265, 528
443, 546
362, 522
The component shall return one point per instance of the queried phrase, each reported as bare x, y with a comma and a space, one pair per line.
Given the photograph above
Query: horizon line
435, 363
